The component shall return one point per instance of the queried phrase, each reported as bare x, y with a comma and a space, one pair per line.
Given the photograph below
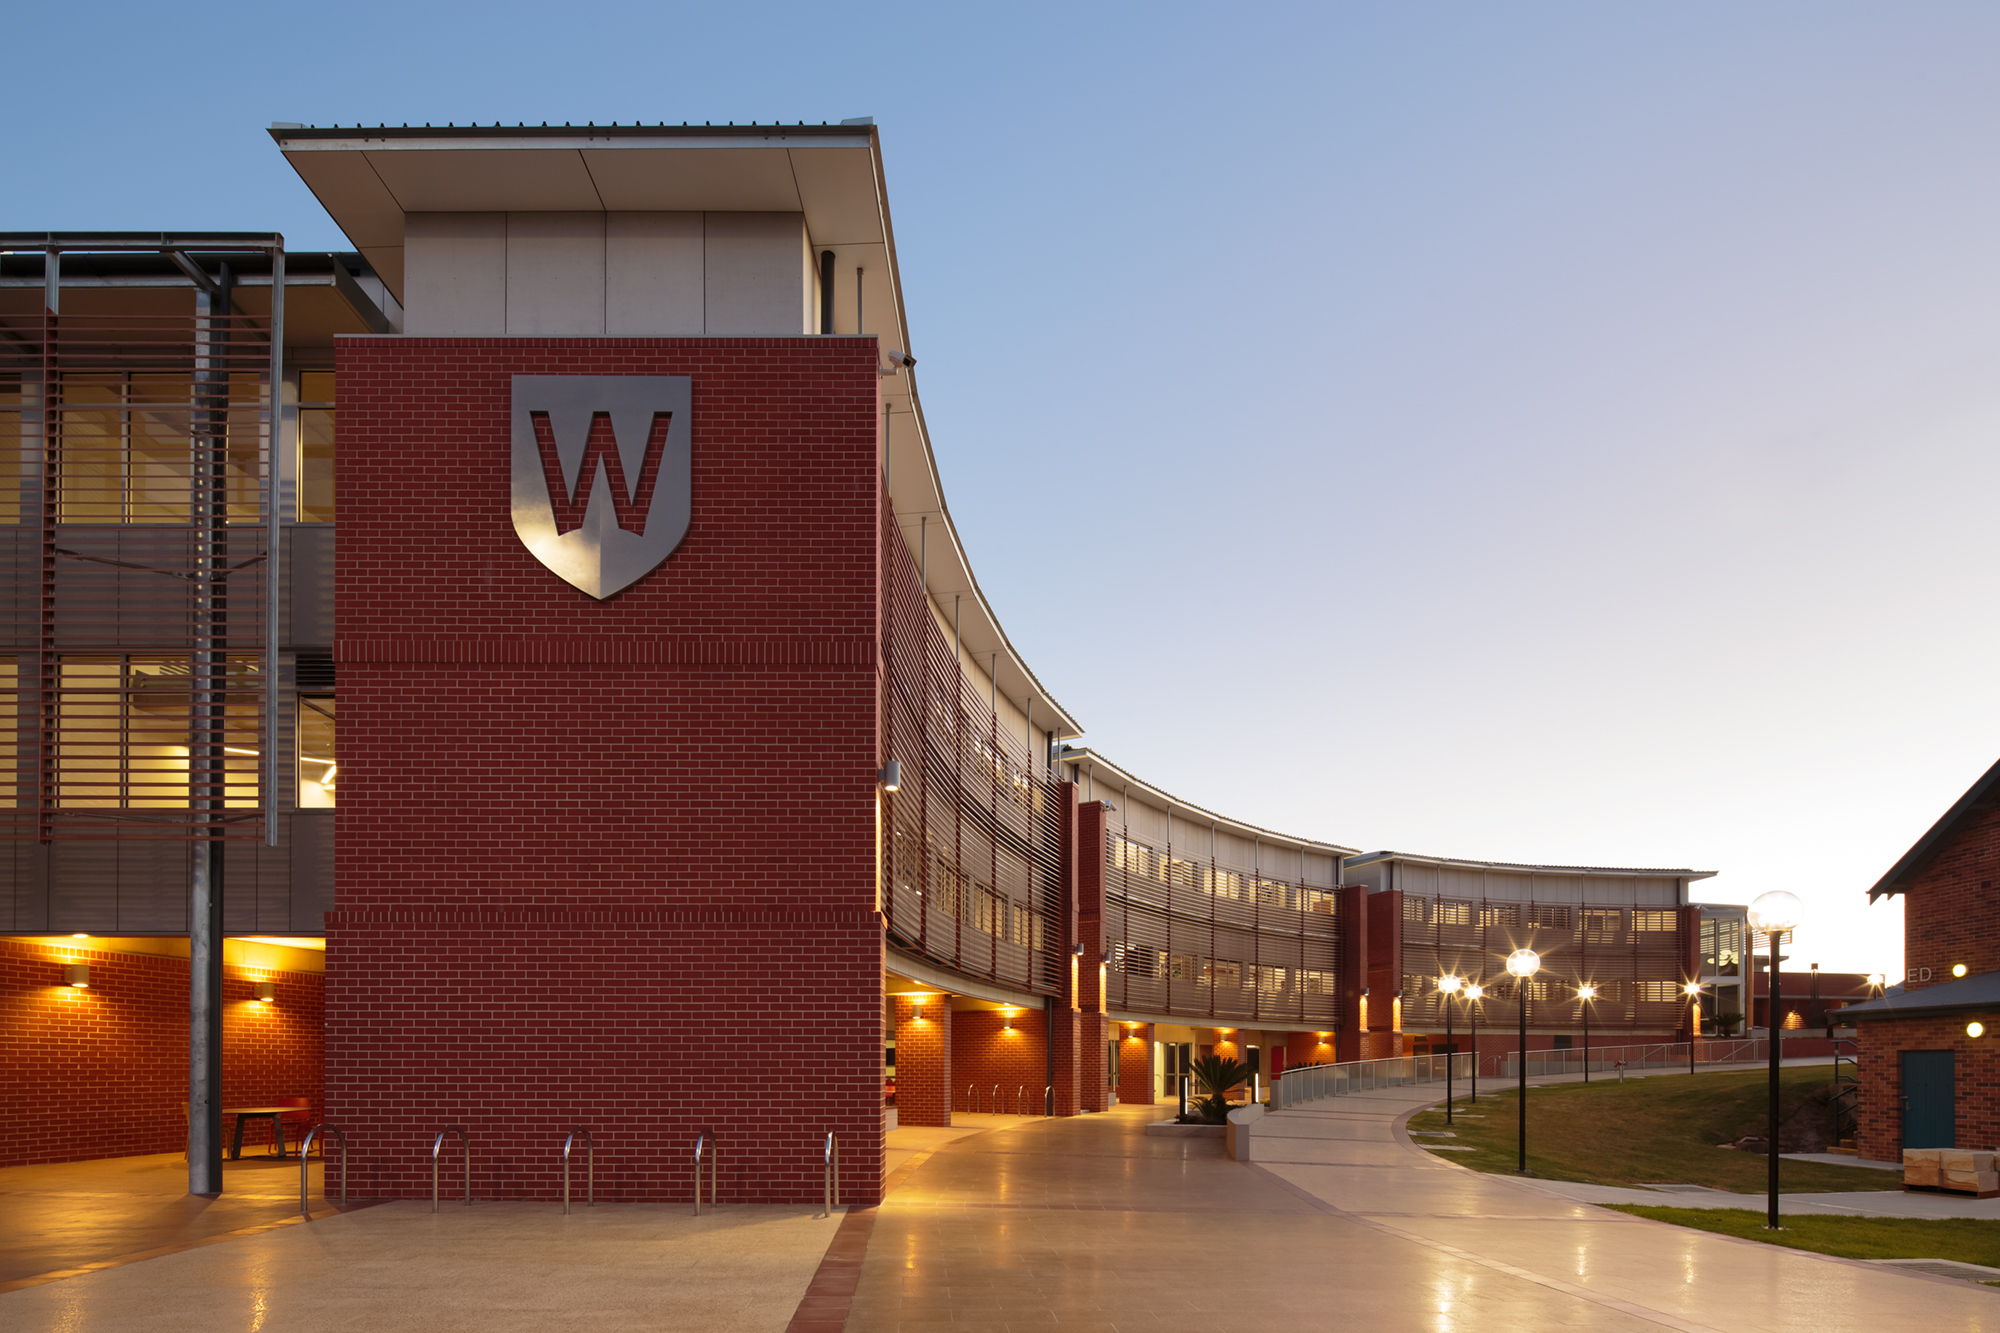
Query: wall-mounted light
890, 775
1958, 969
80, 935
1975, 1030
267, 991
77, 975
1692, 989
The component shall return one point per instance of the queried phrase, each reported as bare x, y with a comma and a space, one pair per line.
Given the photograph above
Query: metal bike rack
590, 1168
704, 1148
832, 1173
1049, 1099
1021, 1100
971, 1097
996, 1099
436, 1147
305, 1149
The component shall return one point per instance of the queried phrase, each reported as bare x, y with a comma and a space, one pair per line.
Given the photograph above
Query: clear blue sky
1554, 432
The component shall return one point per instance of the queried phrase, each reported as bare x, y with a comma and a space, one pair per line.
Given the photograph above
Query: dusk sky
1555, 433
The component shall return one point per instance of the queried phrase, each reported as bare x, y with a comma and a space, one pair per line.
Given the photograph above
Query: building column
923, 1061
1135, 1064
1353, 972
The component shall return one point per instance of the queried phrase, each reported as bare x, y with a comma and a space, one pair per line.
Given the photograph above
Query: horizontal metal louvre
134, 461
972, 848
1632, 955
1194, 936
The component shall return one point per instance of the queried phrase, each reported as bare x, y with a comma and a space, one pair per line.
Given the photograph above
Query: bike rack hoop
438, 1146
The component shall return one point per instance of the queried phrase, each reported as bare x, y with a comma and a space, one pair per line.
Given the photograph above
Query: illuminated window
126, 446
317, 756
124, 725
316, 438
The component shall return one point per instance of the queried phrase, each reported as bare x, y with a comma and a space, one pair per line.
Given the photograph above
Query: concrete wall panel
457, 274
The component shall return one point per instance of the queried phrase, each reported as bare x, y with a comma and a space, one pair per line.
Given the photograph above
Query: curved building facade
548, 614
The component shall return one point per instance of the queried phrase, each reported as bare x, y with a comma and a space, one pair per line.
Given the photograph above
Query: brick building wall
1975, 1074
103, 1072
1951, 913
609, 863
986, 1054
1135, 1064
923, 1062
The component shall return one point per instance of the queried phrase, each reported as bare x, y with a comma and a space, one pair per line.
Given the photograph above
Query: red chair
297, 1124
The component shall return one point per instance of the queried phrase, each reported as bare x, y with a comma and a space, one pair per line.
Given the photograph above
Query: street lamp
1448, 986
1693, 991
1521, 965
1584, 995
1775, 913
1474, 993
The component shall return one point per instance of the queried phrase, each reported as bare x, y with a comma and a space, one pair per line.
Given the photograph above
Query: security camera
898, 359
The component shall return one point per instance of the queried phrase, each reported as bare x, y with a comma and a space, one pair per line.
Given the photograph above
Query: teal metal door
1929, 1116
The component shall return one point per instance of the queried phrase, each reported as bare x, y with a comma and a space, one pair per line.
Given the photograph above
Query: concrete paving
1015, 1223
488, 1268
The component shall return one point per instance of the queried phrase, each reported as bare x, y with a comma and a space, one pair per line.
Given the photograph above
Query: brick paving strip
39, 1279
830, 1295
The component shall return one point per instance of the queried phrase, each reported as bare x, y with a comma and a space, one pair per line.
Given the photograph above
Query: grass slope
1660, 1129
1967, 1240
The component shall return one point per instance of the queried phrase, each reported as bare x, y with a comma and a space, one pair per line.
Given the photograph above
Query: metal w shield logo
601, 474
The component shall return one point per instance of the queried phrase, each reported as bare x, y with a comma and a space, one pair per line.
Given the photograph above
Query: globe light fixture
1958, 969
1522, 964
1775, 913
1975, 1030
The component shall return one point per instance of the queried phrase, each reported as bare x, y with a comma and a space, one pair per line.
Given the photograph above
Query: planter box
1168, 1129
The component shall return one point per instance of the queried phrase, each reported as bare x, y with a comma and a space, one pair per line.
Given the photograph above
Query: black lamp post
1693, 991
1775, 913
1448, 986
1522, 964
1473, 994
1584, 995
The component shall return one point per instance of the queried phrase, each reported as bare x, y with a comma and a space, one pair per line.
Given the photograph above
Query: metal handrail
704, 1149
832, 1172
438, 1145
305, 1149
590, 1168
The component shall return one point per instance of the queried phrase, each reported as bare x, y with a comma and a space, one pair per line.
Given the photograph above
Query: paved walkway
1013, 1223
1089, 1224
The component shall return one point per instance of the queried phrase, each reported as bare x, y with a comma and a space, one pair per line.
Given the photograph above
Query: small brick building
1930, 1066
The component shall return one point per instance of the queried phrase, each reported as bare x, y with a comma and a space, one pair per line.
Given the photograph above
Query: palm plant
1215, 1075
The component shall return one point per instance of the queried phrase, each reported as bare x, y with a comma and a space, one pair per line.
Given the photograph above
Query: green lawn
1662, 1129
1967, 1240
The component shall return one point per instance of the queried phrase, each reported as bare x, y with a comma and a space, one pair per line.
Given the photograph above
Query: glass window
124, 724
316, 752
316, 436
127, 446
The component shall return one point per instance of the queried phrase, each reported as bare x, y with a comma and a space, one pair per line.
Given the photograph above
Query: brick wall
103, 1072
1135, 1064
1951, 914
923, 1062
609, 863
1975, 1072
985, 1054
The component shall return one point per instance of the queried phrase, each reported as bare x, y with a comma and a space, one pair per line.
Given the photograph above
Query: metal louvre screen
972, 842
1632, 955
134, 464
1200, 937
